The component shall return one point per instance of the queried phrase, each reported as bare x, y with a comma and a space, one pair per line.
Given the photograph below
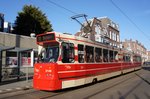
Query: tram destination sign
46, 37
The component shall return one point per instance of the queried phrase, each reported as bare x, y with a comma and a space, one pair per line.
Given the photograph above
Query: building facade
102, 30
20, 41
135, 47
148, 56
7, 27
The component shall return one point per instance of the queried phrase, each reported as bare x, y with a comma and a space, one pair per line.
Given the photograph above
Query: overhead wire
62, 7
130, 19
70, 11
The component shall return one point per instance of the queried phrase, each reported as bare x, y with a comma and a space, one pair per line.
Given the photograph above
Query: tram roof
69, 36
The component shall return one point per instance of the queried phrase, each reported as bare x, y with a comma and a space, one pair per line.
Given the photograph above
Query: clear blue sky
137, 10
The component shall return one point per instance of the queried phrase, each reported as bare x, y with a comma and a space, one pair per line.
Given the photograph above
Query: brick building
136, 48
102, 30
148, 56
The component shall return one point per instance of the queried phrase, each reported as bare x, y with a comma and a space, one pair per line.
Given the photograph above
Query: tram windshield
49, 54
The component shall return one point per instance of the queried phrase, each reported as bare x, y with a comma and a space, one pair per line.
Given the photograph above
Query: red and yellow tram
67, 61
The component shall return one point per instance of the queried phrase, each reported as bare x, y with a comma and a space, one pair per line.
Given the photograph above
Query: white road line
8, 89
18, 88
27, 86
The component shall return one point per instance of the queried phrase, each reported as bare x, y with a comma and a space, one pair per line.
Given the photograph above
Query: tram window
124, 58
89, 54
80, 53
105, 55
98, 54
116, 56
137, 58
127, 58
111, 56
67, 52
48, 54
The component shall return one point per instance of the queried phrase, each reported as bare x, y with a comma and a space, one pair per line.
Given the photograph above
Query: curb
15, 89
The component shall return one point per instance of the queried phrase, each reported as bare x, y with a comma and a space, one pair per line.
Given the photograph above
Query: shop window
11, 54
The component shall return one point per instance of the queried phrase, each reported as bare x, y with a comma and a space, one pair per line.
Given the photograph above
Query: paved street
134, 85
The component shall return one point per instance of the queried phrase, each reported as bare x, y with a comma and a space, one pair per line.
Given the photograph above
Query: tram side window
116, 56
89, 54
105, 55
129, 58
137, 58
80, 53
111, 56
126, 58
67, 52
98, 54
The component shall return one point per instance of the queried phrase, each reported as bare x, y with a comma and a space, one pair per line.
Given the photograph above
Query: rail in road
127, 86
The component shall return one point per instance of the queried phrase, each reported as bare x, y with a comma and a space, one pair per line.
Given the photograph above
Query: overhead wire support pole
78, 16
88, 23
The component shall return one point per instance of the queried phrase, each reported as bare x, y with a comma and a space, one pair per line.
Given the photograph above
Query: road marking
8, 89
27, 86
18, 88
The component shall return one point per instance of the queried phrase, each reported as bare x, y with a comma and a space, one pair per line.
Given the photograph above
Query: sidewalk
14, 86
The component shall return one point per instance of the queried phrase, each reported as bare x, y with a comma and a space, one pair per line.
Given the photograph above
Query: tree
31, 20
